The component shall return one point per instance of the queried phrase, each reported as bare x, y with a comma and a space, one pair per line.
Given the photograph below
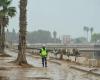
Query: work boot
43, 64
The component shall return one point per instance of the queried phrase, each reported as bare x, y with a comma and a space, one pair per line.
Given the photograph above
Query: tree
87, 30
21, 59
39, 36
91, 31
6, 38
95, 37
80, 40
6, 12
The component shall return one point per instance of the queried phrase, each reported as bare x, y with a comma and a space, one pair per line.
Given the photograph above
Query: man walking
44, 54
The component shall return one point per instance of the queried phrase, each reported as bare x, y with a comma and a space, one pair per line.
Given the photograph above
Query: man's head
43, 46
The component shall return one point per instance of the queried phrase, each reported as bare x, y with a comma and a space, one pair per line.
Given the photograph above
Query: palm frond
6, 11
11, 11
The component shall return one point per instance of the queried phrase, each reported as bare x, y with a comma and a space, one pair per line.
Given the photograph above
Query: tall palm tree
87, 30
6, 12
21, 59
91, 31
55, 35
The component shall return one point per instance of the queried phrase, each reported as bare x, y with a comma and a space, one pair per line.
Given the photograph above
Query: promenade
56, 70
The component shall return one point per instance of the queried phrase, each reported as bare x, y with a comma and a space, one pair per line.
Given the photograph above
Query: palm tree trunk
3, 39
91, 36
0, 38
21, 59
2, 35
87, 36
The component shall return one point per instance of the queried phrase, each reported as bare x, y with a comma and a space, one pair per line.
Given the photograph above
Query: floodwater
54, 71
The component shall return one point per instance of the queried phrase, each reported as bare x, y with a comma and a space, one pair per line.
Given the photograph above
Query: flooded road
54, 71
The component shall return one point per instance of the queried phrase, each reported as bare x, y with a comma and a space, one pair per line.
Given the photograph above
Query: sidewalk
11, 71
56, 70
95, 71
92, 70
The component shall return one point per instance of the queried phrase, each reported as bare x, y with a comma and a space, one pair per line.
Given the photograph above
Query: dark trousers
44, 61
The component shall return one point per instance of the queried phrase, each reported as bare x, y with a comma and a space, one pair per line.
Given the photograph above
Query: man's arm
47, 52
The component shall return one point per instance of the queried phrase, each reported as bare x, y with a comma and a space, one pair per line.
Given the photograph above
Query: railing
69, 46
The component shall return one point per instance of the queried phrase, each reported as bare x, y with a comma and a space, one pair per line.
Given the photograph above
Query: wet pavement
56, 70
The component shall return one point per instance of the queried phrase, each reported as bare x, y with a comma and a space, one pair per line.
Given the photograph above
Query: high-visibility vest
43, 52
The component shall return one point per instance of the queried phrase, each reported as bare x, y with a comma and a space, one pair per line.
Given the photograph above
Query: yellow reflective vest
43, 52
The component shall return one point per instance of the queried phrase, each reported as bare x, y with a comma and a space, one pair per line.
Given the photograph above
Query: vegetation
87, 29
95, 37
39, 36
91, 31
6, 11
80, 40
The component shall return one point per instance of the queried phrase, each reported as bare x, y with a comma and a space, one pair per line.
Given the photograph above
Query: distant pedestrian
44, 54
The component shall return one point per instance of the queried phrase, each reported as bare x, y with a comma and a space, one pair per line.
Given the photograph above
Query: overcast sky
64, 16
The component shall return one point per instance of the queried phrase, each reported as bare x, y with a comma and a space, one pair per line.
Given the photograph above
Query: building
66, 39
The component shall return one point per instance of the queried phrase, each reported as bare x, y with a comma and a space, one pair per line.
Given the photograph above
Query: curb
84, 70
55, 62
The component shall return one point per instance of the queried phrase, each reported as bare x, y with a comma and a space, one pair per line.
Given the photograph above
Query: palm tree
6, 12
87, 30
55, 35
21, 59
91, 31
